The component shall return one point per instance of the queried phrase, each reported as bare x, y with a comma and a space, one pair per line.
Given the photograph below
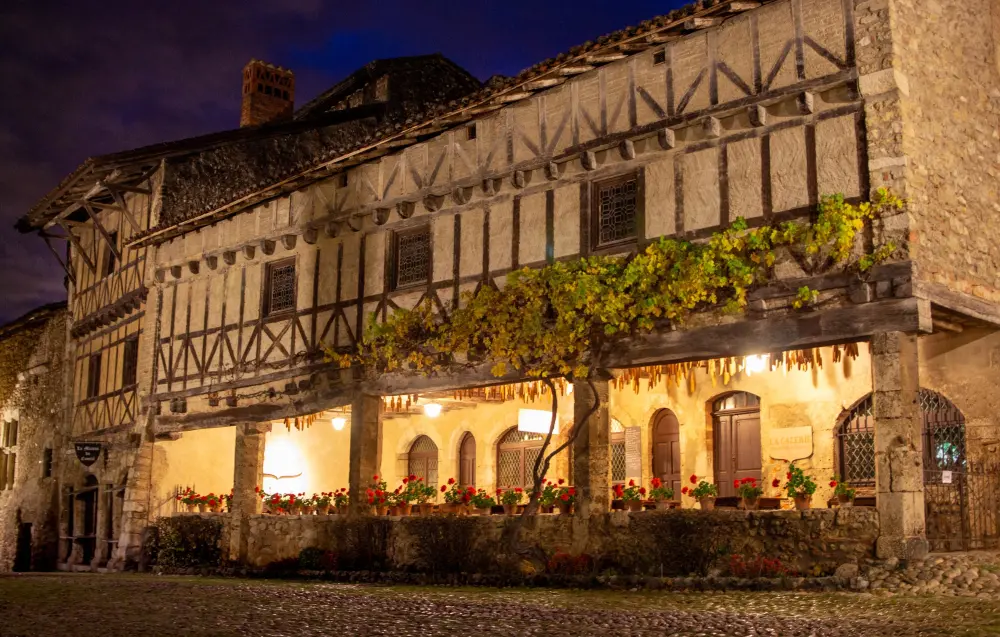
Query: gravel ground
111, 605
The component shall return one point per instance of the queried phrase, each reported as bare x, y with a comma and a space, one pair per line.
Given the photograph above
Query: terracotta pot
191, 507
565, 508
751, 504
308, 510
633, 505
215, 508
483, 511
381, 510
448, 508
404, 508
546, 508
803, 502
509, 509
845, 501
392, 511
664, 505
323, 509
202, 507
707, 503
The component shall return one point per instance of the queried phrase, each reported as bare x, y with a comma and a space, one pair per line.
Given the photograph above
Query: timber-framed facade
236, 258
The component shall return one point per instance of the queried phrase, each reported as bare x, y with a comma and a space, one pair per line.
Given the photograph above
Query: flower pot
192, 507
546, 508
202, 507
509, 509
448, 508
803, 502
565, 508
707, 503
633, 505
845, 501
424, 508
393, 511
214, 508
483, 511
751, 504
323, 509
381, 510
404, 508
663, 505
308, 510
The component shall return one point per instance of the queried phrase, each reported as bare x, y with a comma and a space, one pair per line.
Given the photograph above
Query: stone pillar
135, 510
899, 472
248, 474
591, 450
366, 447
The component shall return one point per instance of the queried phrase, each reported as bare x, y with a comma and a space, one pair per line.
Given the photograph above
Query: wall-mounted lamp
432, 410
338, 423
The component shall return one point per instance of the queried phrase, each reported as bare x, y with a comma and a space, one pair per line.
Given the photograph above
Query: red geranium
694, 479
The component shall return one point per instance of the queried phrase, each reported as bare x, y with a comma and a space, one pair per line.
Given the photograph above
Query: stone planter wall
668, 543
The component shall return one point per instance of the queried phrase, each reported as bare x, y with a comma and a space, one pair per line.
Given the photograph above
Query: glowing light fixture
432, 410
284, 466
338, 423
569, 389
755, 364
536, 421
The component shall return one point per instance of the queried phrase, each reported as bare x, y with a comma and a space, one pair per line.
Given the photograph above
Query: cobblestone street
120, 605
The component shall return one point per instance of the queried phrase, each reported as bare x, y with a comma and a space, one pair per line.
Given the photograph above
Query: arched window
467, 461
943, 439
516, 455
617, 452
736, 434
422, 461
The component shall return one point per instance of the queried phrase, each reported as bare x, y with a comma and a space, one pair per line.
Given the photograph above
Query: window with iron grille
130, 359
93, 375
614, 214
279, 290
617, 452
422, 461
412, 263
516, 456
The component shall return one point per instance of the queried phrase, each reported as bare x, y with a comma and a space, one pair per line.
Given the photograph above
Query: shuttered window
130, 359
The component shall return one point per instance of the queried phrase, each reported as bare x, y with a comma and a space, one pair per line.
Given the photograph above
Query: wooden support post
55, 253
104, 233
248, 473
123, 208
366, 447
591, 450
79, 247
899, 474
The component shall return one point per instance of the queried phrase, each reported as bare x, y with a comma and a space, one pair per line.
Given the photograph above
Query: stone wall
653, 543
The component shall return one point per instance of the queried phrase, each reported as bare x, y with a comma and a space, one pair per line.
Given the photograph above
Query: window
467, 461
279, 287
412, 257
422, 461
516, 455
471, 131
614, 211
659, 57
109, 255
47, 463
93, 375
617, 452
342, 180
130, 358
8, 453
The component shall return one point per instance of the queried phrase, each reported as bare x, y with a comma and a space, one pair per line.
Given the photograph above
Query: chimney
268, 94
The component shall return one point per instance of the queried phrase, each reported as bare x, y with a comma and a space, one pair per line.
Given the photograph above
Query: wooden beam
65, 266
545, 82
76, 244
123, 208
575, 69
129, 188
742, 5
100, 228
964, 304
794, 331
605, 58
512, 97
948, 326
694, 24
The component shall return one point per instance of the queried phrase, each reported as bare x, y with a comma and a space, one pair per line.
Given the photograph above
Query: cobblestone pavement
124, 605
973, 574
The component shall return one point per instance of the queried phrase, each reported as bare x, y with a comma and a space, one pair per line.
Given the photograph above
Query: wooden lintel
76, 244
964, 304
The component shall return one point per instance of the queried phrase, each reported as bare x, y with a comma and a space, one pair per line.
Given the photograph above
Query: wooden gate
736, 433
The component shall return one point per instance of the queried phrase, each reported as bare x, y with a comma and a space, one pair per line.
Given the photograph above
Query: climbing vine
556, 320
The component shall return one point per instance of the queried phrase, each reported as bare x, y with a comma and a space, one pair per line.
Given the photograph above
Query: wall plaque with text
790, 443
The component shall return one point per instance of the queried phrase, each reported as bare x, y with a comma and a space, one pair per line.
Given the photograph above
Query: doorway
22, 555
736, 434
667, 450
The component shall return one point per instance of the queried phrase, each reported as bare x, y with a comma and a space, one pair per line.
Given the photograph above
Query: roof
442, 111
32, 318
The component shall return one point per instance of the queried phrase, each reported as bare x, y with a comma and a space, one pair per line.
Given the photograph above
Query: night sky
81, 79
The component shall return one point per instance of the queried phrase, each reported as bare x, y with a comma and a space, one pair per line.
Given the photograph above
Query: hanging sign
633, 452
88, 452
790, 443
946, 477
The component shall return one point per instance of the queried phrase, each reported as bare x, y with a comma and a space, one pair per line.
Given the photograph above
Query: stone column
366, 446
248, 474
591, 450
135, 509
899, 472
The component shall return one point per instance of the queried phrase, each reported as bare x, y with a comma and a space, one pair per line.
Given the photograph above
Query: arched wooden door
736, 433
667, 450
467, 461
423, 460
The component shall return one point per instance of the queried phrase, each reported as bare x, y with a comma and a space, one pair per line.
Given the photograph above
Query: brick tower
268, 93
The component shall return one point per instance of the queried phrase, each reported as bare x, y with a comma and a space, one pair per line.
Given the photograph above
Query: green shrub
189, 541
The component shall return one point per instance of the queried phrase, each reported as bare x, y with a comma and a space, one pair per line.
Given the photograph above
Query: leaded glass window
615, 210
516, 455
280, 286
422, 461
413, 257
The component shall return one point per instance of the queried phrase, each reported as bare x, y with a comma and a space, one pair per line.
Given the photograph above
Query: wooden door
667, 450
467, 461
736, 425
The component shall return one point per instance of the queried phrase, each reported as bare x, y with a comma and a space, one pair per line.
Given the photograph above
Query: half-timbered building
207, 276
